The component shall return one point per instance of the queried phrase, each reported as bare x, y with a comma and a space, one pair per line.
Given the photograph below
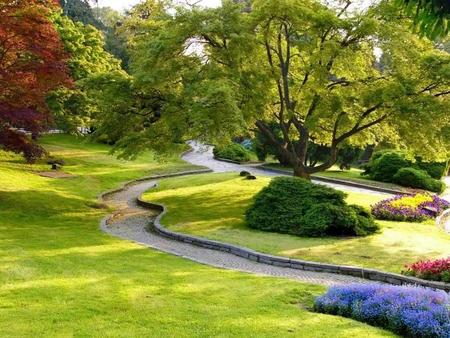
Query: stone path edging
365, 273
151, 178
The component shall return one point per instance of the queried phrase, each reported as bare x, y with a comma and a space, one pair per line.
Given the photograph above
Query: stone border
365, 273
443, 221
154, 177
236, 162
150, 178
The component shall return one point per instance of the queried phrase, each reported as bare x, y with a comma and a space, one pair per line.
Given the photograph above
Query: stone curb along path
133, 217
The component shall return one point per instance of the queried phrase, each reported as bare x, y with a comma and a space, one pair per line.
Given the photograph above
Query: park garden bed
59, 266
225, 197
413, 312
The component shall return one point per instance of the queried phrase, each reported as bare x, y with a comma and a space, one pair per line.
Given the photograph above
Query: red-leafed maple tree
32, 63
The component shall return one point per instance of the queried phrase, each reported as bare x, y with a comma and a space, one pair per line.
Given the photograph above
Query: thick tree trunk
302, 174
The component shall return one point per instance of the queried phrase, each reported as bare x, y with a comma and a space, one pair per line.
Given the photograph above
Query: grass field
61, 276
213, 206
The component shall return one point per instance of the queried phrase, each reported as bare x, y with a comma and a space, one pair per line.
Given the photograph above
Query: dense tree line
299, 73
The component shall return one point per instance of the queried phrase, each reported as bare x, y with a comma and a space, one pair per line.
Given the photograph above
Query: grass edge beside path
62, 277
224, 198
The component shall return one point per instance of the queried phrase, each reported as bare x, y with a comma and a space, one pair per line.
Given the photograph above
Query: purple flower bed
385, 210
409, 311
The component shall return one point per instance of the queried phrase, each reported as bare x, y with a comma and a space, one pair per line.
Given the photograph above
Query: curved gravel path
133, 222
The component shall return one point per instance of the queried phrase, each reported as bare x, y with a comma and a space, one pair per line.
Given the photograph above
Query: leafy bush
414, 178
366, 224
408, 311
259, 149
435, 169
233, 151
385, 164
437, 270
328, 219
296, 206
393, 166
409, 208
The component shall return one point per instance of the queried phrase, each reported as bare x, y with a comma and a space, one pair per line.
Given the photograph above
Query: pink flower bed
437, 270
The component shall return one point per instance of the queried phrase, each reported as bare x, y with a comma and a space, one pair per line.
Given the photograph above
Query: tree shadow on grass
132, 289
36, 218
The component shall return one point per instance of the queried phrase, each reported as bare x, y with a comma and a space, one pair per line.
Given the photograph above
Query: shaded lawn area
213, 206
62, 277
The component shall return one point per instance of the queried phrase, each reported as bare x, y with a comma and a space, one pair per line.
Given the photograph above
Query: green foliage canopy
73, 107
432, 17
222, 72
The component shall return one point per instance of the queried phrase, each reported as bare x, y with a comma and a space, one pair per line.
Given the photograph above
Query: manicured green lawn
61, 276
213, 206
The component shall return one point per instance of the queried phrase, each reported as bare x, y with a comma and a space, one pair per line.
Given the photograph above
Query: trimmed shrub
393, 166
259, 149
419, 179
296, 206
385, 164
408, 311
434, 169
233, 151
366, 222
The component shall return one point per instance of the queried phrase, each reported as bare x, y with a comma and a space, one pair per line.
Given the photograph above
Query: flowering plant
409, 311
437, 270
409, 208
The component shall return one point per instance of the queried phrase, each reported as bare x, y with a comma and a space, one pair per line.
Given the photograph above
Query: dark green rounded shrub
419, 179
386, 166
435, 169
233, 151
259, 149
366, 222
297, 206
328, 219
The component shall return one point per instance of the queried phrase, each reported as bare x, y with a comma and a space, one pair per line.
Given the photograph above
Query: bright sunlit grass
213, 206
60, 276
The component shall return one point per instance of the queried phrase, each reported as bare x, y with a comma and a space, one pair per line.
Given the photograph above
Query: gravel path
131, 222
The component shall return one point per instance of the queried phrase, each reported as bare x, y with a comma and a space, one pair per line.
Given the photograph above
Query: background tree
308, 68
432, 17
81, 11
115, 39
73, 107
32, 63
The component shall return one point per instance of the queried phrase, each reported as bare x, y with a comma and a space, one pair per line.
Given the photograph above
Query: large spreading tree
313, 70
32, 64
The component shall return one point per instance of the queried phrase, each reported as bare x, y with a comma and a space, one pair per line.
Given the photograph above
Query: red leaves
32, 64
